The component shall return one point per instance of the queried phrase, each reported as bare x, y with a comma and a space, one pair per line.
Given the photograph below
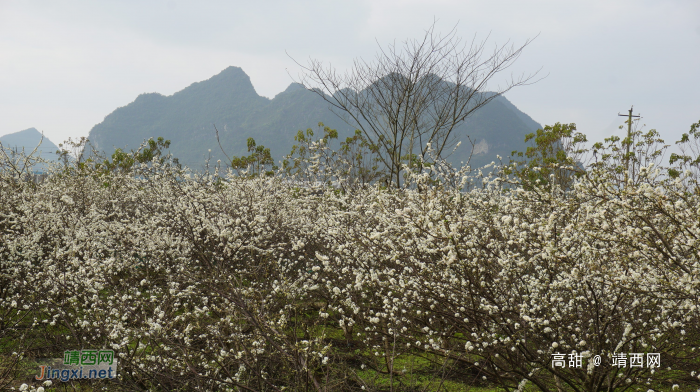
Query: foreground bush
235, 283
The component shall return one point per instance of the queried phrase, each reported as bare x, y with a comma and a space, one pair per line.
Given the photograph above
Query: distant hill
229, 101
28, 140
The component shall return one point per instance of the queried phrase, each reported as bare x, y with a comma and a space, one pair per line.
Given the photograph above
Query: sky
65, 65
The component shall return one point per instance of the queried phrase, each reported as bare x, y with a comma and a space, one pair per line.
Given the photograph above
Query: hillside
229, 101
28, 140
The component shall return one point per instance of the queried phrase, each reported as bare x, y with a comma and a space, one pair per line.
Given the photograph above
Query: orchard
512, 277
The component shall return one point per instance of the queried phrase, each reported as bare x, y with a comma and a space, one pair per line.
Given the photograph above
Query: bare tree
415, 94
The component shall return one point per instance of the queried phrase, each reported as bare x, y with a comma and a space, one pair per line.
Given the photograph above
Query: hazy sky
65, 65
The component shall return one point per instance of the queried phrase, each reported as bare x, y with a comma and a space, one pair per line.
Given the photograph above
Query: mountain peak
149, 97
27, 132
232, 80
232, 75
232, 70
28, 138
292, 88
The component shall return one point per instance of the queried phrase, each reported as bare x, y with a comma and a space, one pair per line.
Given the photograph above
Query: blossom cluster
228, 283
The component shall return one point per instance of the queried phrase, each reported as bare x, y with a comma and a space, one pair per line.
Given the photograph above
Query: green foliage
689, 158
553, 159
123, 161
77, 157
363, 157
556, 157
646, 150
355, 161
300, 153
259, 162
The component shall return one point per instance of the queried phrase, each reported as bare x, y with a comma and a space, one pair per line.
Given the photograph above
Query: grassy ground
416, 377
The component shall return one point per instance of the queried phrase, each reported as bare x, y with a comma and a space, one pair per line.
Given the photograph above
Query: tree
689, 158
623, 162
353, 165
255, 164
414, 95
124, 161
554, 159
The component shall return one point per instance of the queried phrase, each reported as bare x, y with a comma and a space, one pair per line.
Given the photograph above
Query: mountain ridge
229, 101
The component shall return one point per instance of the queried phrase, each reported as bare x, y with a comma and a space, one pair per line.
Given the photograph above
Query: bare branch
415, 94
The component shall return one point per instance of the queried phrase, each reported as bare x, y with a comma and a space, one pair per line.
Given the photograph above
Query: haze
65, 65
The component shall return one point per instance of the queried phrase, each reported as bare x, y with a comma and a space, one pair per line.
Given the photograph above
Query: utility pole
629, 140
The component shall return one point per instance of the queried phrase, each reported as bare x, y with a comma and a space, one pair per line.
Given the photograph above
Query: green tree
620, 167
363, 162
124, 161
553, 158
354, 164
689, 158
259, 162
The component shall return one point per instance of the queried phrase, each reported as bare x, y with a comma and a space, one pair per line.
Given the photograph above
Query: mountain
28, 140
229, 102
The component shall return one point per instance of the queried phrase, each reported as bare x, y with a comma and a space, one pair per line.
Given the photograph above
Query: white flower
67, 199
